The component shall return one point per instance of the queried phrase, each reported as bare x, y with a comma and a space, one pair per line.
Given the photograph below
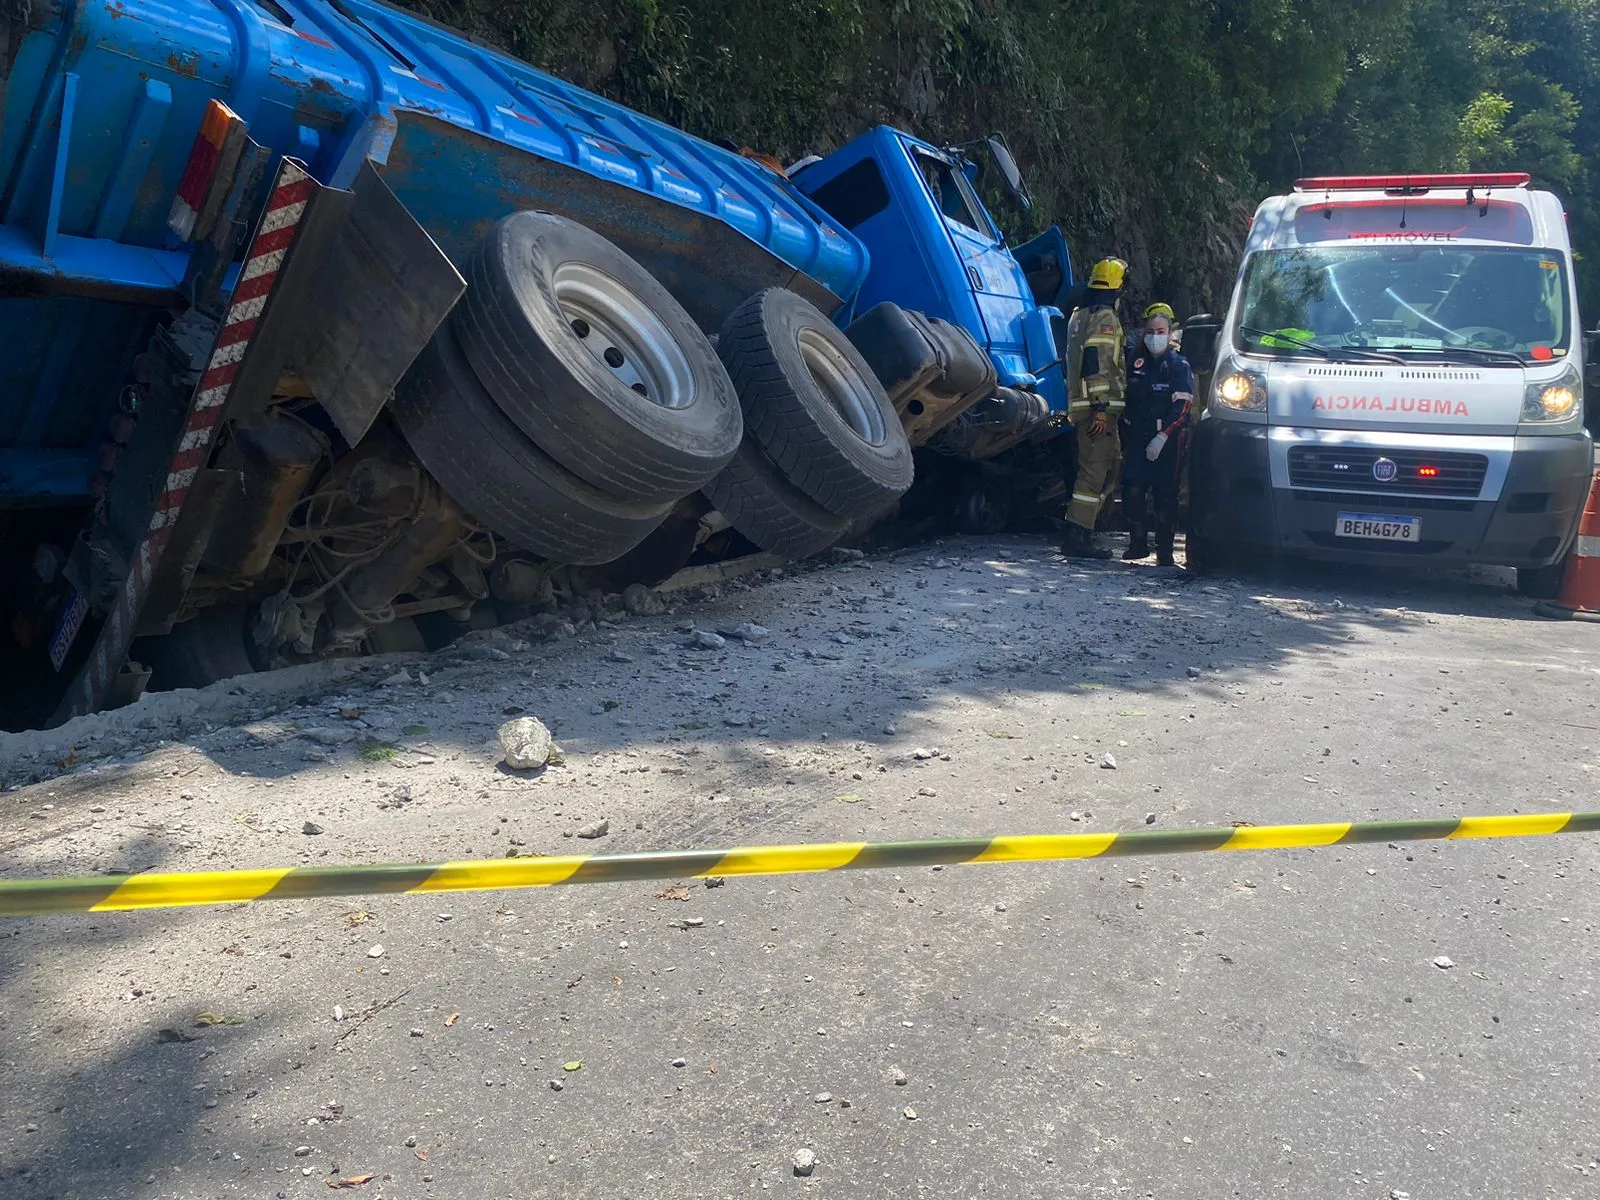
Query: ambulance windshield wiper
1510, 357
1261, 335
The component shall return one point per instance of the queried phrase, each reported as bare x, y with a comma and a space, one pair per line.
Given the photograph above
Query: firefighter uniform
1160, 401
1101, 391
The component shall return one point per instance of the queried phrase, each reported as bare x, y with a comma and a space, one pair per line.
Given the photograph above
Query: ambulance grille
1418, 472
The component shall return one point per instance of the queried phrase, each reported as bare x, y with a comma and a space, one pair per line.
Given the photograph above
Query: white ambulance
1399, 379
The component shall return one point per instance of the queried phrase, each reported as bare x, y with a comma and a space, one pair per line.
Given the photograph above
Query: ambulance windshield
1487, 303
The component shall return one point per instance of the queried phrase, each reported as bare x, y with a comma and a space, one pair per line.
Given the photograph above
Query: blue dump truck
321, 324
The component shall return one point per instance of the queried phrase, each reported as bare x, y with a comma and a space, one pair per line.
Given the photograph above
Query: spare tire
594, 360
488, 467
813, 406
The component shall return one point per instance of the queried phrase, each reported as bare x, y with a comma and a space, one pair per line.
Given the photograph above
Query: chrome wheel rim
624, 335
841, 384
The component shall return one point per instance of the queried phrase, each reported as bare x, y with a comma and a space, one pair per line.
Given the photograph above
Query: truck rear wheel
813, 409
592, 358
769, 510
489, 467
209, 646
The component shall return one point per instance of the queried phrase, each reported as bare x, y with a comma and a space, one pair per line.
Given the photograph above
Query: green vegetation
1147, 127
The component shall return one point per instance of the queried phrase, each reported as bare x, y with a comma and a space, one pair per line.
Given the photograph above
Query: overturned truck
324, 330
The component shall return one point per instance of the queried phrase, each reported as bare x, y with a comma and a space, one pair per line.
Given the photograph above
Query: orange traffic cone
1580, 586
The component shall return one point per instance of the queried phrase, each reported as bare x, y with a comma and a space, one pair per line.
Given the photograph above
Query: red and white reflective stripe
1587, 547
279, 223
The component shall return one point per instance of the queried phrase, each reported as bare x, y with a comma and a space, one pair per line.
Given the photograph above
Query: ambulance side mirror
1200, 334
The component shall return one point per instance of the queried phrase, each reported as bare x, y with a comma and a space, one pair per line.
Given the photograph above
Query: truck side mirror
1001, 153
1200, 334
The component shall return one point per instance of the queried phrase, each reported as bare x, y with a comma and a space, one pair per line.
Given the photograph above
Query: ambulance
1399, 379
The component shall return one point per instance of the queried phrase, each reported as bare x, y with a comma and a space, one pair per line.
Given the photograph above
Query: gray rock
1444, 962
417, 1033
617, 656
311, 828
704, 639
680, 1062
750, 634
823, 1098
328, 737
1193, 672
1108, 762
923, 753
597, 829
302, 1151
1149, 818
526, 743
556, 1085
898, 1076
642, 601
805, 1162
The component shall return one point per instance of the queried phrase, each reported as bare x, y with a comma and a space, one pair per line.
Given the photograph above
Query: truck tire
769, 510
592, 358
813, 407
486, 464
209, 646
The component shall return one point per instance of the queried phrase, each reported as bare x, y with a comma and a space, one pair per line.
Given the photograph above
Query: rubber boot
1079, 543
1138, 544
1164, 546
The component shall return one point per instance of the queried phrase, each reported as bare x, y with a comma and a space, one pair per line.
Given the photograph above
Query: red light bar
1428, 472
1410, 183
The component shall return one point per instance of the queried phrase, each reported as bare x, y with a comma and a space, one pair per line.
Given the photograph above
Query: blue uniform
1160, 400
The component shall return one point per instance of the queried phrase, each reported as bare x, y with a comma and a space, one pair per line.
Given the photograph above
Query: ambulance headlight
1242, 391
1553, 400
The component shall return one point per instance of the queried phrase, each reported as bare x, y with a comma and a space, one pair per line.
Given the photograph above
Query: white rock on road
525, 743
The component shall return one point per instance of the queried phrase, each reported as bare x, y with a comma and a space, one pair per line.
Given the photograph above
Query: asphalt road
1214, 1025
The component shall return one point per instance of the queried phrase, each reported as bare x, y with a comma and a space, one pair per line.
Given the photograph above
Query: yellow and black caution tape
156, 889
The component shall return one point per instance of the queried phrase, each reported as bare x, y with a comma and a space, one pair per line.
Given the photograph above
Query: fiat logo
1384, 470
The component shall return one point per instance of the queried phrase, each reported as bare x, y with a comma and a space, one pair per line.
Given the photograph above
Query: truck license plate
1379, 528
67, 626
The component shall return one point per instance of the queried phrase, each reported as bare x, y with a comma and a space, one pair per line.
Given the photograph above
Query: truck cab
934, 248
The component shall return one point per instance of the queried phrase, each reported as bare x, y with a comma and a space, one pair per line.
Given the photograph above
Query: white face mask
1156, 343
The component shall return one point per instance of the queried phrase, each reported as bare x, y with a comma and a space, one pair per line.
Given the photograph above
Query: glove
1157, 444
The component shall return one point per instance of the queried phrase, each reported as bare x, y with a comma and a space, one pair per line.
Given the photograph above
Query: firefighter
1095, 367
1155, 429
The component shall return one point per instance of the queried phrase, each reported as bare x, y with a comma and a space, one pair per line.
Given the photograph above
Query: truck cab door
1047, 264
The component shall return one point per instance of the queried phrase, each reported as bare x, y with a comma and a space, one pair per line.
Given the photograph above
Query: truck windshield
1494, 303
953, 194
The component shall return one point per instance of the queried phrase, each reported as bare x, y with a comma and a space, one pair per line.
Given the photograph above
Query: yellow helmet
1160, 309
1107, 274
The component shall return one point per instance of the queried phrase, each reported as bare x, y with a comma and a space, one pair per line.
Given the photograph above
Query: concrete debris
526, 743
923, 753
805, 1162
823, 1098
1108, 762
376, 951
597, 829
1444, 962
